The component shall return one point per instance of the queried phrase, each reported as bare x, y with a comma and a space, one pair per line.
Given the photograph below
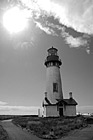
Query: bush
42, 126
89, 120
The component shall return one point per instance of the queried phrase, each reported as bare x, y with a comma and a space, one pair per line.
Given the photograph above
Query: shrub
43, 126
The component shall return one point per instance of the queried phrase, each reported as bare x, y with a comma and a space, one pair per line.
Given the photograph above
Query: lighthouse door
61, 111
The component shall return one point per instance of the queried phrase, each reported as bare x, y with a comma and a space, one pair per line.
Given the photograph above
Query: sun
14, 20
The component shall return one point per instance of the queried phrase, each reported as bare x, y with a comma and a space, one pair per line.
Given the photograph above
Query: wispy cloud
76, 41
5, 109
18, 110
70, 13
73, 42
2, 103
47, 30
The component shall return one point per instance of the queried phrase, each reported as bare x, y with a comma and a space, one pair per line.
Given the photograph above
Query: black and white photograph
46, 69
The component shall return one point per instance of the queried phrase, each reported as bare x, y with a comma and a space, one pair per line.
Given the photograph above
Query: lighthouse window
55, 87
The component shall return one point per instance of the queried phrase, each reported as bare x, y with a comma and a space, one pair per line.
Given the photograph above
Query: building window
55, 87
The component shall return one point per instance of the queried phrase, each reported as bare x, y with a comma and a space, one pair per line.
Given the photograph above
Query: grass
47, 128
3, 134
51, 127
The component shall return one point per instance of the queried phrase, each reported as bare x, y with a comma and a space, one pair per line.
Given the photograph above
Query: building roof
61, 102
70, 101
46, 102
52, 48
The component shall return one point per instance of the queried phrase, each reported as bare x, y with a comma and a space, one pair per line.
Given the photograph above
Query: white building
54, 104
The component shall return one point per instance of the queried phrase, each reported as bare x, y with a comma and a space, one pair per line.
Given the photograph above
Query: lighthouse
53, 77
54, 105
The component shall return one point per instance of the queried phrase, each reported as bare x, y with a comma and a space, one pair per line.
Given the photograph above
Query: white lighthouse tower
54, 105
53, 77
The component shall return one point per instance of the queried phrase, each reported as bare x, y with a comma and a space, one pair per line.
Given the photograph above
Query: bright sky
22, 54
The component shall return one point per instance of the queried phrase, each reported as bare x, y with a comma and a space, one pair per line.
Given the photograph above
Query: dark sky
22, 56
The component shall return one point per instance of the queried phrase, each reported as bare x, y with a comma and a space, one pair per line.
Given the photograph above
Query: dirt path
16, 133
83, 134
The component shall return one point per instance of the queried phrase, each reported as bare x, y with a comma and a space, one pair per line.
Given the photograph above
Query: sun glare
15, 20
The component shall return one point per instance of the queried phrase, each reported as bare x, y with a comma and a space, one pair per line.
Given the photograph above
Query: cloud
2, 103
23, 45
47, 30
73, 14
75, 41
70, 13
18, 110
5, 109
